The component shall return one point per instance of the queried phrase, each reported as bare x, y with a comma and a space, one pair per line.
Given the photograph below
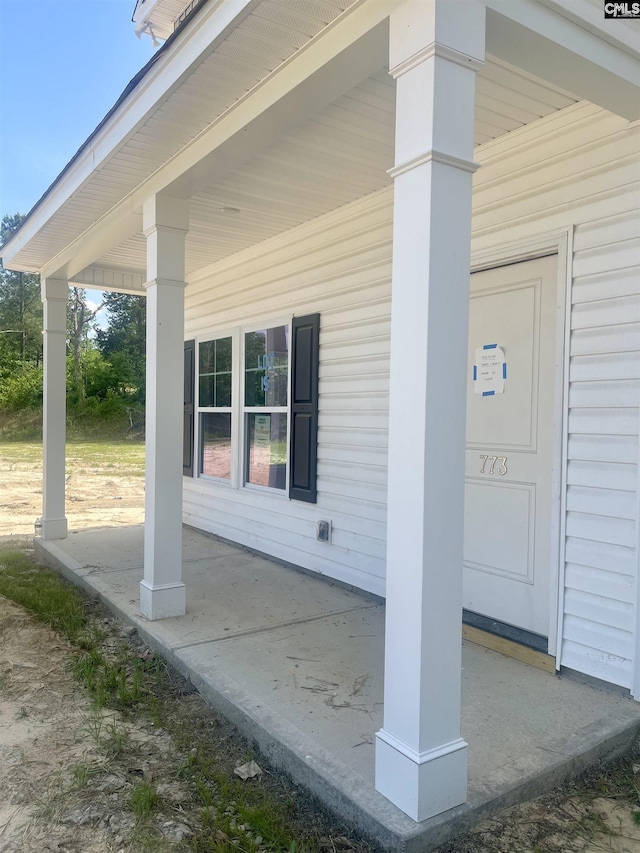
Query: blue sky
63, 64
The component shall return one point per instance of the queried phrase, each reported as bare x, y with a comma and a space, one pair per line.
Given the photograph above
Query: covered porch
228, 159
295, 661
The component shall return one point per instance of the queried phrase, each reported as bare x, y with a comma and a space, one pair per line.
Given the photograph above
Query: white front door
508, 497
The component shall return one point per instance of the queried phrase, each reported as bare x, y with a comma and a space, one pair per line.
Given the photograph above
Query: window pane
267, 449
215, 373
205, 397
207, 356
223, 355
223, 389
266, 361
215, 444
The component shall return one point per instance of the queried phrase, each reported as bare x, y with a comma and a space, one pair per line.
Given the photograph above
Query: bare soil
105, 486
68, 772
43, 736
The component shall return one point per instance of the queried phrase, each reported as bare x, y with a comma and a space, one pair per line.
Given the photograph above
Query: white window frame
239, 412
200, 410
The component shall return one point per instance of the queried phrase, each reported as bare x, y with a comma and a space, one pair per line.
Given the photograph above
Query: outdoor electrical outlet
323, 531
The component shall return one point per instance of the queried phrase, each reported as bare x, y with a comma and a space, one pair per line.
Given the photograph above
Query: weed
4, 681
116, 683
143, 799
154, 712
203, 790
267, 822
50, 599
92, 637
94, 725
22, 713
80, 775
115, 741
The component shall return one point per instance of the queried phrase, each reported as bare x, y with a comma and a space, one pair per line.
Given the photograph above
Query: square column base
421, 784
54, 528
162, 602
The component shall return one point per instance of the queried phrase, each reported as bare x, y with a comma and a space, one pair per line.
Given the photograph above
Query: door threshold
508, 640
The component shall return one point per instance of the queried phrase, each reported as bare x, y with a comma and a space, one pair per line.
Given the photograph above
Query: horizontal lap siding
339, 266
576, 168
529, 185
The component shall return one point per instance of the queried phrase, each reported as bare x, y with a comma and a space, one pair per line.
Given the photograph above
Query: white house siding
581, 168
577, 168
339, 266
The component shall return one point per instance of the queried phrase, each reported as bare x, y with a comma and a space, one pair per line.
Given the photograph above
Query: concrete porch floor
297, 663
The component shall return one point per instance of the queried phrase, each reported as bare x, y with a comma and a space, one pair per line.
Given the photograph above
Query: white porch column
435, 48
165, 223
54, 426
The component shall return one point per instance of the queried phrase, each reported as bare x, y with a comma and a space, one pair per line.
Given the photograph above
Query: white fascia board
575, 55
268, 99
621, 33
178, 57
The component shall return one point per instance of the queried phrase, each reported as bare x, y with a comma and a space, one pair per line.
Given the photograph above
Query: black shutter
189, 400
303, 450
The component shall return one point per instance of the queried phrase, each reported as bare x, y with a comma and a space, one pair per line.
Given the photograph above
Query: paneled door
509, 455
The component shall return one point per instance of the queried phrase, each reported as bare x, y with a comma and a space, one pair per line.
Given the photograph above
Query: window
258, 408
214, 401
266, 395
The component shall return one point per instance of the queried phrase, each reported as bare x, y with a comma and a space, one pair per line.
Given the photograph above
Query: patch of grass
43, 593
228, 804
80, 772
115, 741
143, 799
120, 458
119, 683
94, 726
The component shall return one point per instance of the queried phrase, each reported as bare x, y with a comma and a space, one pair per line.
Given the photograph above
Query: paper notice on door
489, 371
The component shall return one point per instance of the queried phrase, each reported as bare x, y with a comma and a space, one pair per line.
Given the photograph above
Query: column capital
54, 288
455, 31
441, 50
433, 157
166, 282
161, 212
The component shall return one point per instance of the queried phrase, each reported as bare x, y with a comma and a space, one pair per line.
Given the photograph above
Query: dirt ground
44, 734
105, 486
67, 772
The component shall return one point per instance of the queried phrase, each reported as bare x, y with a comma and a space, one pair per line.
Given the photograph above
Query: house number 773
501, 469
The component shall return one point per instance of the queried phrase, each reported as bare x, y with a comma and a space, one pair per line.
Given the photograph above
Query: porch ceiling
340, 154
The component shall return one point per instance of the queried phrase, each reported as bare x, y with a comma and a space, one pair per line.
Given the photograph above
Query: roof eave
159, 74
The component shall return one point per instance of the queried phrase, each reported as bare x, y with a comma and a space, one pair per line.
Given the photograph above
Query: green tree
80, 323
20, 312
123, 342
